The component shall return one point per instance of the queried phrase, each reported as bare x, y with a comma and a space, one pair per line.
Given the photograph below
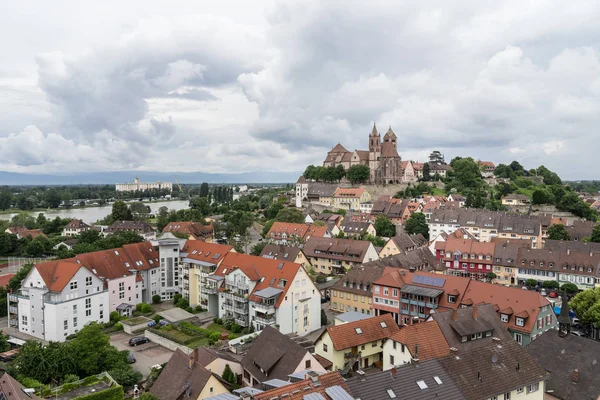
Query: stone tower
374, 152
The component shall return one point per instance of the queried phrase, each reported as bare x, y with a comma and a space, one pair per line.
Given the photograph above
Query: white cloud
239, 87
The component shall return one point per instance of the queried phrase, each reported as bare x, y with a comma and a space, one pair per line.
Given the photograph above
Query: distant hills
14, 178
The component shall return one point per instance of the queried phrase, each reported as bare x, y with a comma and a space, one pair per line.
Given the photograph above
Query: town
372, 277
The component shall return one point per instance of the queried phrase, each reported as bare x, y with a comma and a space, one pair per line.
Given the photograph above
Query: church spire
374, 131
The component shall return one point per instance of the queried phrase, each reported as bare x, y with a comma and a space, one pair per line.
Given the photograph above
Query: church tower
374, 152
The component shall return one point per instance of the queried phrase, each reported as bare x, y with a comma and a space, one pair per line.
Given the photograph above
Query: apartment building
350, 198
463, 257
333, 256
139, 227
170, 274
198, 260
294, 234
193, 230
356, 229
412, 297
56, 299
485, 225
264, 292
402, 243
286, 253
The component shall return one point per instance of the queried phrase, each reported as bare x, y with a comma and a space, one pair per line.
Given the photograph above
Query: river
90, 215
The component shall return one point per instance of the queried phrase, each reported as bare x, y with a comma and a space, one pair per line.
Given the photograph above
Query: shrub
70, 378
90, 380
114, 393
118, 326
227, 324
215, 320
176, 298
144, 308
182, 303
156, 299
235, 328
157, 318
67, 387
199, 308
189, 309
126, 376
28, 383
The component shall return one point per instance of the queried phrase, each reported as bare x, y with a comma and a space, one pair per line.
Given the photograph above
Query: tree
24, 219
204, 189
384, 226
14, 283
201, 204
586, 305
551, 285
229, 375
531, 283
4, 345
264, 201
436, 157
139, 211
258, 248
52, 197
358, 174
504, 171
94, 353
156, 299
550, 178
569, 288
291, 215
148, 396
558, 232
417, 224
490, 276
120, 212
6, 199
595, 234
426, 173
464, 176
125, 375
542, 196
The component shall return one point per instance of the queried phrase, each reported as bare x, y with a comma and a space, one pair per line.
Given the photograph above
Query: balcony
13, 310
265, 319
13, 323
207, 289
13, 298
235, 296
265, 307
241, 321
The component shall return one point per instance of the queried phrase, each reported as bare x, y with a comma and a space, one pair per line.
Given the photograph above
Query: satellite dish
494, 359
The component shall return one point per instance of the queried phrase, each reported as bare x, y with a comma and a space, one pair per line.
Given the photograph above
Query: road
146, 355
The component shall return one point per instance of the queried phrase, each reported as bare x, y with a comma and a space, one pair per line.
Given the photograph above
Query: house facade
332, 255
75, 227
57, 299
350, 198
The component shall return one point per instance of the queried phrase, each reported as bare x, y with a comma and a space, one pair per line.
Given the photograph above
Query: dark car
138, 340
131, 358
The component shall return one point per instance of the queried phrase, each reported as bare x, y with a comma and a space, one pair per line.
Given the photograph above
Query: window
533, 388
386, 291
520, 390
395, 292
66, 324
437, 380
392, 360
74, 308
307, 364
75, 322
101, 314
24, 319
324, 348
391, 393
88, 281
422, 385
394, 344
507, 396
73, 285
519, 338
503, 317
88, 307
520, 321
451, 299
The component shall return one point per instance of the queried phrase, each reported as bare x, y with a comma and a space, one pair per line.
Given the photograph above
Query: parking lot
147, 354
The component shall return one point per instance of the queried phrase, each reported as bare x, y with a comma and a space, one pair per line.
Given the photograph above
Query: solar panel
429, 280
338, 393
280, 266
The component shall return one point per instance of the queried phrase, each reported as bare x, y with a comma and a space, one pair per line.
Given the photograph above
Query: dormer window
522, 262
589, 270
551, 265
451, 298
541, 263
345, 284
531, 263
520, 321
504, 317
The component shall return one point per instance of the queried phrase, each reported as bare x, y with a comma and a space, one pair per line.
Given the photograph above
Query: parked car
553, 294
543, 292
577, 333
131, 358
134, 341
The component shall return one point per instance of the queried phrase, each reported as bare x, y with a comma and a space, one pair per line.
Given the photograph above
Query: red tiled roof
349, 192
4, 279
279, 228
427, 336
195, 229
371, 329
204, 251
56, 274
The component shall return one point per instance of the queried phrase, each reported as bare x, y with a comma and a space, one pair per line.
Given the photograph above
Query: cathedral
382, 158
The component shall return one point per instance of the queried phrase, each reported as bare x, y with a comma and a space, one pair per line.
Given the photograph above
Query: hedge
114, 393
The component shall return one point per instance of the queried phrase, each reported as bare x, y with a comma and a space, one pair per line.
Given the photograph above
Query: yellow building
332, 255
350, 198
353, 292
357, 344
401, 244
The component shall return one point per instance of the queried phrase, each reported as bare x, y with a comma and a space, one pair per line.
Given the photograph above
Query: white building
137, 185
171, 276
265, 292
57, 299
75, 227
301, 191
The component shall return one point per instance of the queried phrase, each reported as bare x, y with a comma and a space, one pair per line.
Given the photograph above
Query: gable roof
195, 229
360, 332
404, 242
24, 232
76, 224
268, 273
56, 274
471, 320
561, 356
204, 252
206, 355
274, 353
280, 252
402, 382
337, 249
424, 341
177, 376
278, 229
493, 370
12, 389
349, 192
299, 390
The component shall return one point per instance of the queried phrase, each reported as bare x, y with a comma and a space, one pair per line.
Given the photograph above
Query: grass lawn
217, 328
182, 337
437, 192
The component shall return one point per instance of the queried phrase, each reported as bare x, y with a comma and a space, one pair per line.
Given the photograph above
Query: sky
238, 86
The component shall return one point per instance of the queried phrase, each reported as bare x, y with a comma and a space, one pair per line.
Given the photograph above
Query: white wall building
57, 299
137, 185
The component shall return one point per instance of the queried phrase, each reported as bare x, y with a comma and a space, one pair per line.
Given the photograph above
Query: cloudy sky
231, 86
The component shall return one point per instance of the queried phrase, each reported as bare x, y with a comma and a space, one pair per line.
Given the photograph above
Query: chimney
568, 251
455, 315
475, 313
576, 376
393, 372
192, 358
416, 357
479, 377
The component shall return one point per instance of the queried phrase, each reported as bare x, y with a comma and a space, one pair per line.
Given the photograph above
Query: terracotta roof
255, 268
338, 148
56, 274
194, 229
315, 231
76, 224
300, 390
424, 341
206, 355
22, 231
371, 329
211, 253
289, 229
12, 389
4, 279
349, 192
325, 363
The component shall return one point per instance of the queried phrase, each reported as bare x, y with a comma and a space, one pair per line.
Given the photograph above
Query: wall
336, 357
314, 364
218, 366
212, 388
291, 311
357, 302
128, 295
169, 344
131, 328
400, 357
